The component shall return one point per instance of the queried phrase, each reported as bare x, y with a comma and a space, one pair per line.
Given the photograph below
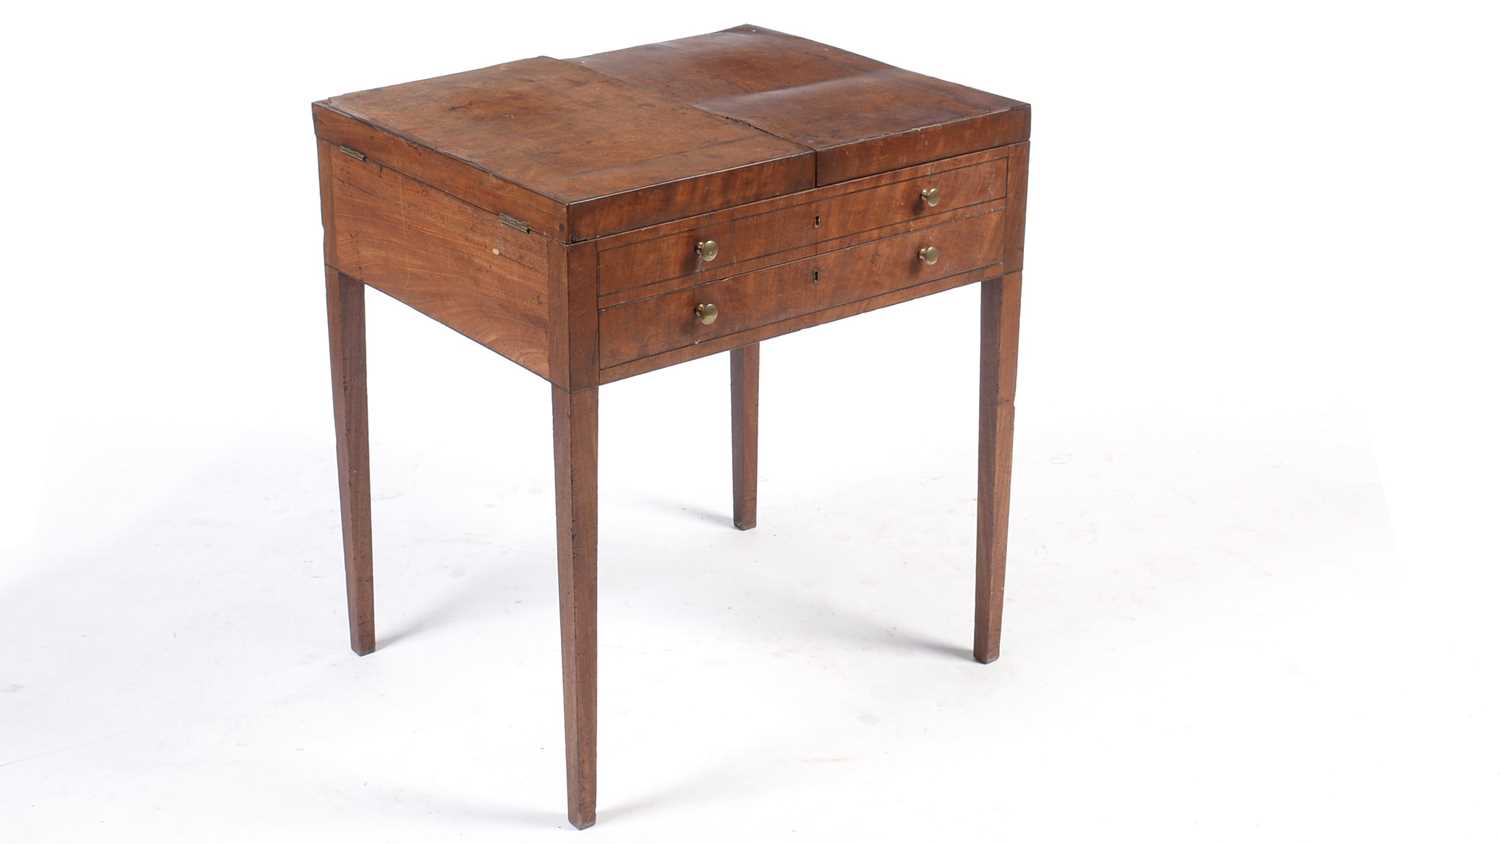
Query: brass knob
707, 313
928, 255
930, 196
708, 250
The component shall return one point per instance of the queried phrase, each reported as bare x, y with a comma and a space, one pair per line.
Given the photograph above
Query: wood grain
650, 326
618, 155
573, 326
550, 211
875, 155
616, 141
346, 345
999, 326
767, 228
441, 170
446, 258
325, 196
671, 200
575, 447
573, 361
1015, 223
583, 315
744, 411
787, 326
860, 115
711, 272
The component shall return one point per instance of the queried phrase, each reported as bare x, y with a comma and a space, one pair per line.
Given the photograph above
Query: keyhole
815, 276
817, 220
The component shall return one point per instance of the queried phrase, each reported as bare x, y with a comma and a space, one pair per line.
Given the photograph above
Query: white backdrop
1252, 562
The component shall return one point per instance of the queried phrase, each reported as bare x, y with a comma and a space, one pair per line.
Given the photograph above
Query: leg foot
575, 443
346, 343
1000, 314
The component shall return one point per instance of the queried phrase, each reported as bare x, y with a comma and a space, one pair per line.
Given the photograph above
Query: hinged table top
590, 146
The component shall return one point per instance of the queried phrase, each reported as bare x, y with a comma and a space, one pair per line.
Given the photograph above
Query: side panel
450, 260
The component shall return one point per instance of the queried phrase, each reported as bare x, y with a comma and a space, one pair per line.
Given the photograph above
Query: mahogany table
596, 218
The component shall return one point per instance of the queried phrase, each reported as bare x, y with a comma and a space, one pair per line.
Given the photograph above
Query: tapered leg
744, 407
1000, 315
346, 343
575, 445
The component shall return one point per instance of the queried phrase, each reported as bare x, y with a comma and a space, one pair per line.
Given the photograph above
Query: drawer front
648, 326
761, 229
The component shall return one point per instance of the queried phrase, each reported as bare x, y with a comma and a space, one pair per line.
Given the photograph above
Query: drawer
672, 251
648, 326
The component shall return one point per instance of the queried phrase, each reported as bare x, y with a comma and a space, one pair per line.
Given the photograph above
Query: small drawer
710, 245
648, 326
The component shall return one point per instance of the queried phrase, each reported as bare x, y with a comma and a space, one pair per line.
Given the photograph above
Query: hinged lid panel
608, 155
861, 116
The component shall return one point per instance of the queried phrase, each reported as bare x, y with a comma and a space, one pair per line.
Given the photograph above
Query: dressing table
595, 218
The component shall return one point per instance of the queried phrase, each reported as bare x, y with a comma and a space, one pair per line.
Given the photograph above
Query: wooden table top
580, 148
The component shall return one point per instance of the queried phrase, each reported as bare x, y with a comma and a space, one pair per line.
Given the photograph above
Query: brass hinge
352, 152
514, 223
